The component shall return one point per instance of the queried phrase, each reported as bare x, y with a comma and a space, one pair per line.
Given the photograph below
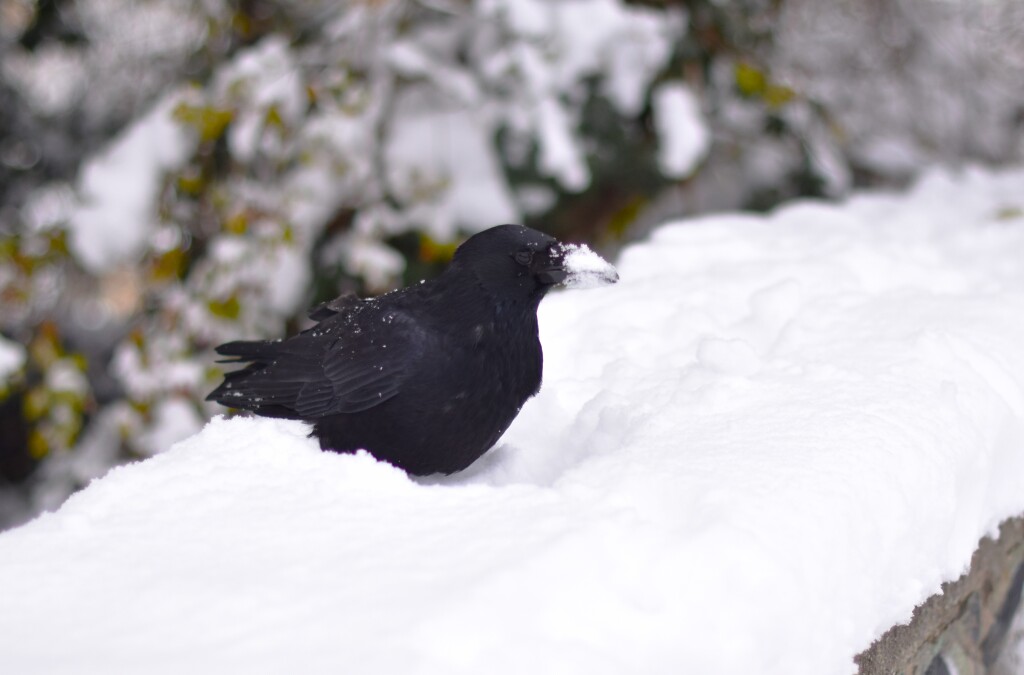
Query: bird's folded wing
342, 303
363, 370
315, 373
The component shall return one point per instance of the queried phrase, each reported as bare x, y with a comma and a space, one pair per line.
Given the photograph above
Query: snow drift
764, 446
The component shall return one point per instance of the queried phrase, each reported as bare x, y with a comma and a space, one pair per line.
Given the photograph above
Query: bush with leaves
347, 146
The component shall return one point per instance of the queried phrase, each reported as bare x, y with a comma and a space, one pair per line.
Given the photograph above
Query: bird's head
522, 263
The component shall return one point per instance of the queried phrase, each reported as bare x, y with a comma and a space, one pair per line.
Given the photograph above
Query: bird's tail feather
257, 387
246, 350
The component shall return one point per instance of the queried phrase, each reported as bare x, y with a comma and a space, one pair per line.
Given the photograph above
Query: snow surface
754, 454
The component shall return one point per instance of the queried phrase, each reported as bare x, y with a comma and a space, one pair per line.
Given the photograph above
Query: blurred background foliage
178, 173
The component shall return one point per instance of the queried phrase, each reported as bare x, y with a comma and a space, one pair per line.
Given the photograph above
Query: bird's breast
506, 360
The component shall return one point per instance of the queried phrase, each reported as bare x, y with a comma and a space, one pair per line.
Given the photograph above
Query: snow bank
755, 453
12, 359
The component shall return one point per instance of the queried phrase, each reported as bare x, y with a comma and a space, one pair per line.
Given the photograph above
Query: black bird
427, 377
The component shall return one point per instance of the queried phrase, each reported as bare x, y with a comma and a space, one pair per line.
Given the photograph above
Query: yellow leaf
226, 309
274, 118
1009, 213
168, 266
432, 251
626, 216
778, 95
750, 81
191, 183
35, 404
38, 446
237, 224
209, 121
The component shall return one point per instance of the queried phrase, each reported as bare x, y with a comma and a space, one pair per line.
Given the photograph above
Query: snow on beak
576, 266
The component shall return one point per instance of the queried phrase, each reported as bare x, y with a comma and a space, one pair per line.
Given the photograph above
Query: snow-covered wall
975, 626
756, 453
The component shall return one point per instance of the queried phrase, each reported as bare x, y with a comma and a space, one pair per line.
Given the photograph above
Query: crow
427, 377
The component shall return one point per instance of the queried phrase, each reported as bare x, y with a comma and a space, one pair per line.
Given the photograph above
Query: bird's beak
575, 266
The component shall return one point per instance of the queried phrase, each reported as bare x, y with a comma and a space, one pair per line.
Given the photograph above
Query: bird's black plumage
427, 377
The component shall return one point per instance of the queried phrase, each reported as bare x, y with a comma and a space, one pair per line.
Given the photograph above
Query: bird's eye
524, 257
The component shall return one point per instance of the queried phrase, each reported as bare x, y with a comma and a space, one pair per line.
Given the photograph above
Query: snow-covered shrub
334, 144
908, 83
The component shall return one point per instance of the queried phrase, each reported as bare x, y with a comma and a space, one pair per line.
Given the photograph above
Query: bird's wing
342, 303
367, 365
346, 364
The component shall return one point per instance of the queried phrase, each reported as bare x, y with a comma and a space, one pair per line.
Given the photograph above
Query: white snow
560, 155
51, 78
12, 359
754, 454
147, 29
118, 189
684, 135
576, 38
447, 153
378, 263
258, 80
175, 419
556, 47
585, 268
